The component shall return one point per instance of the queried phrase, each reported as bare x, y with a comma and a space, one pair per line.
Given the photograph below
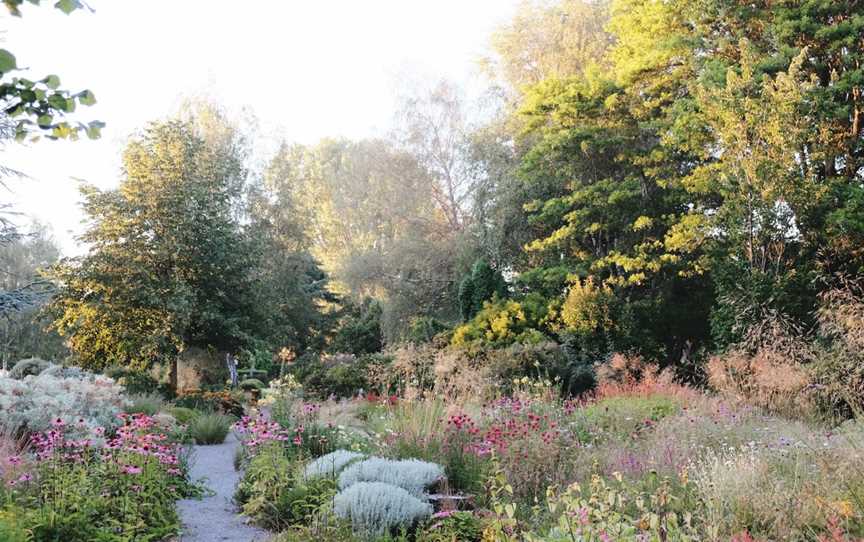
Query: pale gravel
215, 517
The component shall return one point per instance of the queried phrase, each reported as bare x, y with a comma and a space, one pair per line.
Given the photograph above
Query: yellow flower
844, 509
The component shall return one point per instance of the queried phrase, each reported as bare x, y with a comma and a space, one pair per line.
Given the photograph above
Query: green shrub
450, 526
28, 367
224, 402
340, 376
325, 529
268, 474
620, 417
424, 329
361, 332
137, 382
210, 428
252, 384
504, 322
148, 404
183, 415
274, 497
298, 503
11, 526
479, 286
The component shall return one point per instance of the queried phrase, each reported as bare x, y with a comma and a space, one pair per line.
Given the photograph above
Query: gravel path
215, 517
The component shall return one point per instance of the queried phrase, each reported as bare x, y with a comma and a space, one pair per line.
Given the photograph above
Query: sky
306, 69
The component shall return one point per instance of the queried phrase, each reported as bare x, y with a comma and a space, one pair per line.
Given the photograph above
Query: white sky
306, 68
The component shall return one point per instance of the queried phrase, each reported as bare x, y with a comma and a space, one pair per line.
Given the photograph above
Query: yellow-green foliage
588, 307
501, 323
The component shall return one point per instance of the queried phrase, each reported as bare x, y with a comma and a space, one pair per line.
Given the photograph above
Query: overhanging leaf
7, 61
86, 98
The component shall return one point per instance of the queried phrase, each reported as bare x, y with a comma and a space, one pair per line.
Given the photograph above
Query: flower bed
120, 485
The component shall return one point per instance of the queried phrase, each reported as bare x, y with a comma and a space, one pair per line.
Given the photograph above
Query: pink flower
131, 469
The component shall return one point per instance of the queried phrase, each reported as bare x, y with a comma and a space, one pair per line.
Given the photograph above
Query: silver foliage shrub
28, 367
32, 403
331, 464
411, 475
375, 508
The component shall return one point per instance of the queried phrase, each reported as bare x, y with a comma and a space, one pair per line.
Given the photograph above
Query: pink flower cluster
311, 409
260, 430
138, 441
507, 433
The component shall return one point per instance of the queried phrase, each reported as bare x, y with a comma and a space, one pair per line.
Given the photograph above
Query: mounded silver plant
374, 508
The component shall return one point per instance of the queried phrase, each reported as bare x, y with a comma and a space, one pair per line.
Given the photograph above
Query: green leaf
86, 98
61, 131
94, 129
44, 121
67, 6
58, 101
52, 82
7, 61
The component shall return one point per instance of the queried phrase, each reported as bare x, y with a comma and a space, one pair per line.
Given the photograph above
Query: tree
550, 40
294, 289
369, 218
481, 285
360, 331
434, 129
22, 331
39, 107
169, 265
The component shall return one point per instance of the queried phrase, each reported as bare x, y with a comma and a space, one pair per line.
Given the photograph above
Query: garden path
215, 517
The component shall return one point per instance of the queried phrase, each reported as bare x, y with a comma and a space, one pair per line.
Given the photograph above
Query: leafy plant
451, 525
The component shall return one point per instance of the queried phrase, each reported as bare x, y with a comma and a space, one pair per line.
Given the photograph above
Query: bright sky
306, 68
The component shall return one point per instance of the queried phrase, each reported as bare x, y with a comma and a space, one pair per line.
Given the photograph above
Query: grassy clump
149, 404
210, 428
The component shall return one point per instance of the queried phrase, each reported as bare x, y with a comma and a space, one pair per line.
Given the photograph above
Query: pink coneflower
131, 469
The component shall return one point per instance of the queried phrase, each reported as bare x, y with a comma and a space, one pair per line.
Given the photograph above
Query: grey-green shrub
28, 367
210, 428
331, 464
374, 508
411, 475
33, 403
63, 371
